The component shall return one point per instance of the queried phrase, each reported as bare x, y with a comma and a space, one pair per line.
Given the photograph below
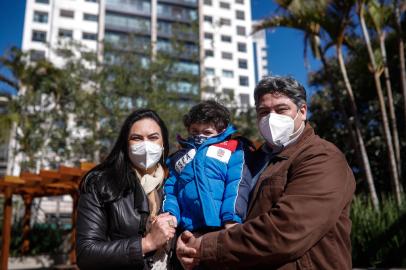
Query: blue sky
285, 46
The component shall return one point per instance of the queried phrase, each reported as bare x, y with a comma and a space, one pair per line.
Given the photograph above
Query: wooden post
6, 234
25, 247
72, 252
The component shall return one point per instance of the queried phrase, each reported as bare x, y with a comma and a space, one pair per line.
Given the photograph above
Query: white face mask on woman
145, 154
277, 129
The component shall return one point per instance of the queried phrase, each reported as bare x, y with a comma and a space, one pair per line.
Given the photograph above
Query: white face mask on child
145, 154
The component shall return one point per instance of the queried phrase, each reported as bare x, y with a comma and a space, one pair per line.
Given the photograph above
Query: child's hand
173, 222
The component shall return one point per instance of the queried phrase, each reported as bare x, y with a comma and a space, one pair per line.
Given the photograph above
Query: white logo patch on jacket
183, 161
219, 153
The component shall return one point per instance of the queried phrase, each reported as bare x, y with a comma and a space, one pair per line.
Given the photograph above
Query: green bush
44, 239
378, 239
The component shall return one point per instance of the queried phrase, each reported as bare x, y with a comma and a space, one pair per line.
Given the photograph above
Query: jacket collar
285, 153
212, 140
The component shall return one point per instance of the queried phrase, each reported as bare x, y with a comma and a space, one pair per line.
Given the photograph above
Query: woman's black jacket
109, 235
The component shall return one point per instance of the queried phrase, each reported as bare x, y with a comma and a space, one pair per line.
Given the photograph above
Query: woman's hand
162, 230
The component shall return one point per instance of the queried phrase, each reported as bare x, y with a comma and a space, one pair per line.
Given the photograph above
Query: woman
118, 224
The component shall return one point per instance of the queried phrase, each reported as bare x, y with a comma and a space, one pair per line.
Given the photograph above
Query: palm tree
380, 14
328, 20
387, 132
400, 6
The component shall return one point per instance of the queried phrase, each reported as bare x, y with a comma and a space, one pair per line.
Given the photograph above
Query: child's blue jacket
209, 184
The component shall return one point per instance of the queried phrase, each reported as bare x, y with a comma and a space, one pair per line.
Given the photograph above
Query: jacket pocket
270, 191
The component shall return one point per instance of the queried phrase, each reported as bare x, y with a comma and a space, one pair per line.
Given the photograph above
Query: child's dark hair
207, 112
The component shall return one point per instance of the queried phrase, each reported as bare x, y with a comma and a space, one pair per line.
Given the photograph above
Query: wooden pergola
64, 181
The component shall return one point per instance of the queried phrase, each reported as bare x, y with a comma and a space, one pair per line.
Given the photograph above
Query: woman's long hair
114, 176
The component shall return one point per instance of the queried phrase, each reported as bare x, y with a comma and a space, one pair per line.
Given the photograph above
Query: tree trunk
357, 127
12, 149
391, 103
385, 123
402, 66
363, 163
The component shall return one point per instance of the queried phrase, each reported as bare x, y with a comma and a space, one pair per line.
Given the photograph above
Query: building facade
228, 50
49, 24
231, 59
260, 55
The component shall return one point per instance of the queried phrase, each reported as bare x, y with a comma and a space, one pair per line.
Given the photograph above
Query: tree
327, 20
73, 112
387, 132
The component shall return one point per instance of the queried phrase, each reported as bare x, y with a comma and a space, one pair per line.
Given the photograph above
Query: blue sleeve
237, 189
170, 203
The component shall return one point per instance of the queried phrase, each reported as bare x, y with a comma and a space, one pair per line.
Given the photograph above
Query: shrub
378, 239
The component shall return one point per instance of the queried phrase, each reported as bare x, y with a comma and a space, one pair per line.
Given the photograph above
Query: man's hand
188, 250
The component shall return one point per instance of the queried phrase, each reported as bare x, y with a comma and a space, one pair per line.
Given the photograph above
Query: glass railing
134, 6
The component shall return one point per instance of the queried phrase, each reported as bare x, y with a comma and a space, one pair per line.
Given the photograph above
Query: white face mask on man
278, 129
146, 154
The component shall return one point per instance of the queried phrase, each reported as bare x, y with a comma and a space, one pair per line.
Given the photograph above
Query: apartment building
228, 50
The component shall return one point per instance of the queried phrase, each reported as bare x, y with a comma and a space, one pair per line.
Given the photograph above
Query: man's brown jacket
298, 216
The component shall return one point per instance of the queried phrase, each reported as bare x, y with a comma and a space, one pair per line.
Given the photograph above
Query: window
239, 14
243, 80
225, 38
42, 1
239, 1
187, 67
225, 5
242, 63
224, 21
229, 92
227, 55
41, 17
128, 23
36, 55
176, 12
63, 33
208, 36
208, 19
207, 2
39, 36
66, 13
89, 36
245, 100
227, 73
90, 17
208, 53
241, 30
242, 47
209, 71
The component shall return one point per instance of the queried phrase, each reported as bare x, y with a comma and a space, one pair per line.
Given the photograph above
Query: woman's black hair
114, 176
208, 112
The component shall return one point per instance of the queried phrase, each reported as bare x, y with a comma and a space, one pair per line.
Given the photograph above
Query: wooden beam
6, 234
25, 247
72, 252
13, 179
30, 177
87, 166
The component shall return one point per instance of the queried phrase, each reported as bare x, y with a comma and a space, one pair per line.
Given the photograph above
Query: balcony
130, 7
186, 3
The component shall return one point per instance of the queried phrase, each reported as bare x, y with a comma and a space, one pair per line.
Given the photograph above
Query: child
208, 184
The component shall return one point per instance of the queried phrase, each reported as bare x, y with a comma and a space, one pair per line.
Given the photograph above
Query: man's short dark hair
208, 112
281, 85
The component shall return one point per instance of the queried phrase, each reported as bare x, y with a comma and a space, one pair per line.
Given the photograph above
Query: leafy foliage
378, 239
73, 112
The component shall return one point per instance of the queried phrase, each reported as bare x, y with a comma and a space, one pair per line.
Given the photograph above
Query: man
298, 215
